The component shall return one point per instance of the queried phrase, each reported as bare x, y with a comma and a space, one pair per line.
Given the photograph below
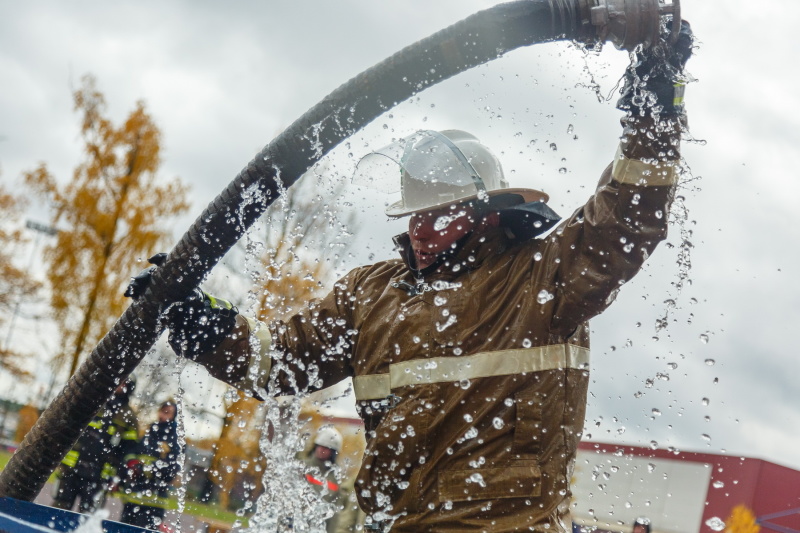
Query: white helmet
329, 437
438, 169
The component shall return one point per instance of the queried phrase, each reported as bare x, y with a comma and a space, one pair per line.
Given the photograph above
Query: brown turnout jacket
472, 385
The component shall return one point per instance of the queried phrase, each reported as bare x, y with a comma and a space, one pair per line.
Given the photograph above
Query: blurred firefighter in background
150, 470
87, 471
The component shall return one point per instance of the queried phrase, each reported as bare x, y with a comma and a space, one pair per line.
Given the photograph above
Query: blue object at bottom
24, 517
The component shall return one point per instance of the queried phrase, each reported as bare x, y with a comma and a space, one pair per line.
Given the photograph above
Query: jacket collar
469, 254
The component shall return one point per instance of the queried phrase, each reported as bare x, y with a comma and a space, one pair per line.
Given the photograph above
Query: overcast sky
222, 79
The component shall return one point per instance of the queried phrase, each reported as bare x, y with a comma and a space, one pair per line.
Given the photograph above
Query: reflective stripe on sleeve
260, 359
636, 172
142, 498
479, 365
71, 459
330, 485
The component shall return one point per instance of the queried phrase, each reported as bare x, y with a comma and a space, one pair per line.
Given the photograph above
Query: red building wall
765, 488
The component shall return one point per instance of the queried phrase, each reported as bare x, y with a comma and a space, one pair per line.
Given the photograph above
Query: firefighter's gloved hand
656, 81
141, 281
199, 323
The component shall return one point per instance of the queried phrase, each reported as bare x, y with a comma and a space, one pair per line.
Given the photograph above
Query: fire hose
475, 40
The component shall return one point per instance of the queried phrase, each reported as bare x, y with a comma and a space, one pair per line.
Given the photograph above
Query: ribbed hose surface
473, 41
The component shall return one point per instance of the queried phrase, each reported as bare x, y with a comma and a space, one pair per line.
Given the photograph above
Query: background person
150, 471
86, 472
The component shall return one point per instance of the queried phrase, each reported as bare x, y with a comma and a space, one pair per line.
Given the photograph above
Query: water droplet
468, 417
543, 297
704, 338
476, 478
715, 523
656, 412
706, 437
526, 343
710, 362
498, 423
553, 147
562, 170
705, 401
718, 484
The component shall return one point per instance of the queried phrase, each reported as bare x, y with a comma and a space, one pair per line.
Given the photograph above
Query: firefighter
150, 469
469, 354
321, 472
87, 471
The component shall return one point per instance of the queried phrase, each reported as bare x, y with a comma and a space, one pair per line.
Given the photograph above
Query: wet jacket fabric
158, 452
101, 448
472, 382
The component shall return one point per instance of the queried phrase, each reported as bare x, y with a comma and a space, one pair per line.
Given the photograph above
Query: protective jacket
472, 382
157, 455
112, 434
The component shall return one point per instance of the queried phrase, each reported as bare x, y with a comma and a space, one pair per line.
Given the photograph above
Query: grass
199, 510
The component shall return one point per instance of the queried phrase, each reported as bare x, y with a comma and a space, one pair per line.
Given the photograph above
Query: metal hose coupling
628, 23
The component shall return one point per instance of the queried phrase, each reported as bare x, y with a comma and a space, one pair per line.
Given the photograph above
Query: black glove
656, 80
141, 281
197, 324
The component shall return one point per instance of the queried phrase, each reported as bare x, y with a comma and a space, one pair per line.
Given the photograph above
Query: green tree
111, 213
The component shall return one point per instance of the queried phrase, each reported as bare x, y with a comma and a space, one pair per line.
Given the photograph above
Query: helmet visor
426, 167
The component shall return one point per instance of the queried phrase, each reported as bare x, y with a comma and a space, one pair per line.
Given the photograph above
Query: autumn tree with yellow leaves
109, 214
741, 520
16, 283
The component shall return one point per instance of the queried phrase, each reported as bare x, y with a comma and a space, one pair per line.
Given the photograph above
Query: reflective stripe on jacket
473, 389
110, 435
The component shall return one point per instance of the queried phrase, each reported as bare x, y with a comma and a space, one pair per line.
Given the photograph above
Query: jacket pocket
528, 428
520, 480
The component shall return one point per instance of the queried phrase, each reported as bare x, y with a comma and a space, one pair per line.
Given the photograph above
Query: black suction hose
473, 41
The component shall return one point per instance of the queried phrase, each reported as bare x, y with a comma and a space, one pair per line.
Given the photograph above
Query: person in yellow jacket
470, 354
88, 469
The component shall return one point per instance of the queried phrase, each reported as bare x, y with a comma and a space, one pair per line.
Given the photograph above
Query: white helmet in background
329, 437
438, 169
